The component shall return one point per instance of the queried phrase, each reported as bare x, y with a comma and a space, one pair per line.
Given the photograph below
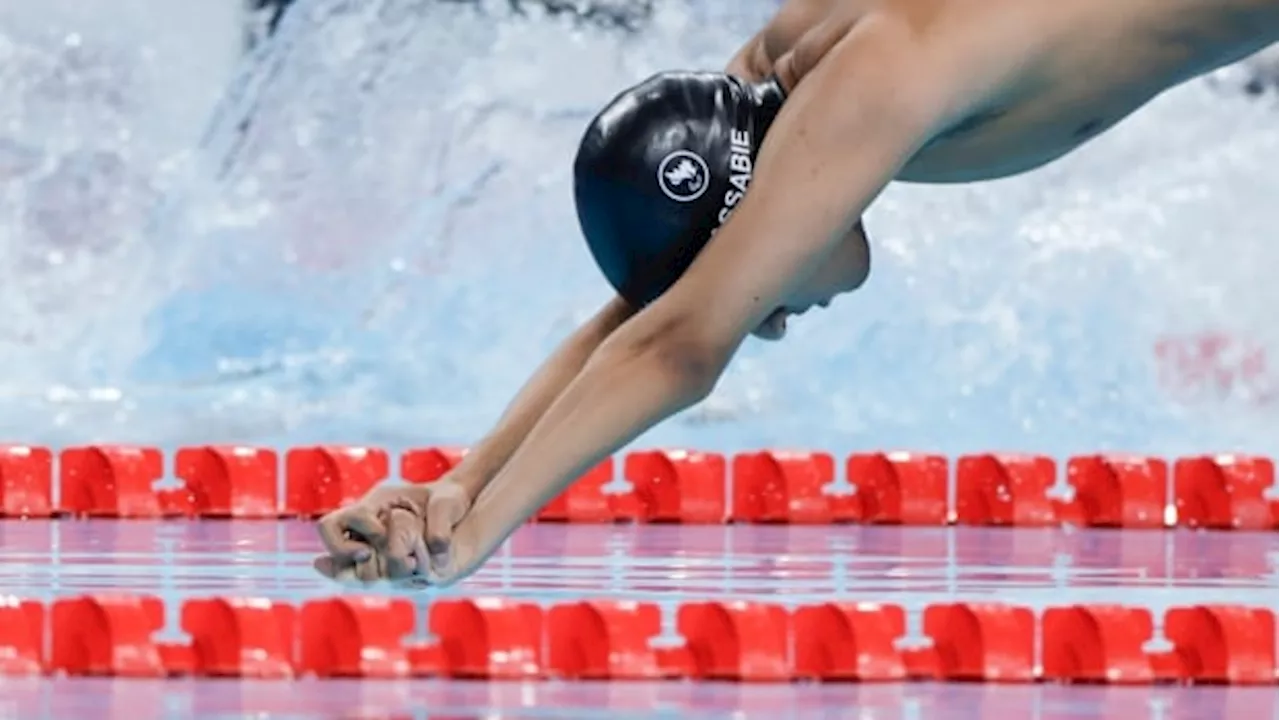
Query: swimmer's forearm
487, 457
625, 389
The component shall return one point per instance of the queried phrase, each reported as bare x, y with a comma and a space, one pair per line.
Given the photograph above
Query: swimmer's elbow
677, 358
691, 367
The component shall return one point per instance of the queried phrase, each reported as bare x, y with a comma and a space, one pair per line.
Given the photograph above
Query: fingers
419, 579
351, 534
373, 570
442, 515
368, 571
335, 569
326, 566
404, 535
382, 538
421, 557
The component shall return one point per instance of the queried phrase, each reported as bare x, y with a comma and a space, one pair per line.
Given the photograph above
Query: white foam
391, 242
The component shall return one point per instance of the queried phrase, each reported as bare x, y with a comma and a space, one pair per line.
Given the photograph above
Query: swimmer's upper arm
842, 135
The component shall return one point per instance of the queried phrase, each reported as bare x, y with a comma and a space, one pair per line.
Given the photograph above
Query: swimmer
831, 101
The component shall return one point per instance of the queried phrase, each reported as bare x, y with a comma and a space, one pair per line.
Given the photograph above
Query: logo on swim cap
682, 175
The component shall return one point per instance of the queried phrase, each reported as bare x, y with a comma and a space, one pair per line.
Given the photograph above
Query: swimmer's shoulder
979, 55
971, 38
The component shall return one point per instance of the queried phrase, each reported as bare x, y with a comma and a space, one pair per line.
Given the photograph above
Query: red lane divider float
112, 481
22, 624
321, 479
786, 487
1219, 492
356, 637
26, 481
587, 501
426, 465
114, 635
240, 637
1224, 492
1005, 490
1113, 491
227, 482
1212, 643
592, 640
676, 486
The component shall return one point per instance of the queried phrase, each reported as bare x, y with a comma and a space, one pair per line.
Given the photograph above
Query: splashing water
374, 240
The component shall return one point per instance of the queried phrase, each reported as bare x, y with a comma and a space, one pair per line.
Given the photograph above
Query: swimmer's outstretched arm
352, 533
483, 461
841, 137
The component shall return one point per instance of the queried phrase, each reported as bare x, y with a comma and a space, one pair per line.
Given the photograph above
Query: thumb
442, 515
351, 534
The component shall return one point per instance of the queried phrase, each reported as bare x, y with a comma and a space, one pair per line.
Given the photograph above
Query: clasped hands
411, 535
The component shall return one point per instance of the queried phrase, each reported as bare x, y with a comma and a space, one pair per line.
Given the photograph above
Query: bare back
1060, 72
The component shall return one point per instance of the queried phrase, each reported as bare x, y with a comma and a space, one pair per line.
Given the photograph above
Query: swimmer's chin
774, 327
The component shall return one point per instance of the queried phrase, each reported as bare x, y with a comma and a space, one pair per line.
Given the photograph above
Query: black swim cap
661, 167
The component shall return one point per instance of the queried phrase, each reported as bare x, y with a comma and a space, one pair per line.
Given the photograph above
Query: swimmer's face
844, 270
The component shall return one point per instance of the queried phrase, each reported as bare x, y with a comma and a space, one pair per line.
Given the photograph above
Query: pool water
662, 564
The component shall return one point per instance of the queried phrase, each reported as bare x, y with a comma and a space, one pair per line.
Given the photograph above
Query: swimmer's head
663, 166
660, 169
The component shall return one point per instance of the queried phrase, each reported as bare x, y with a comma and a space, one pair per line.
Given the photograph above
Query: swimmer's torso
1074, 67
